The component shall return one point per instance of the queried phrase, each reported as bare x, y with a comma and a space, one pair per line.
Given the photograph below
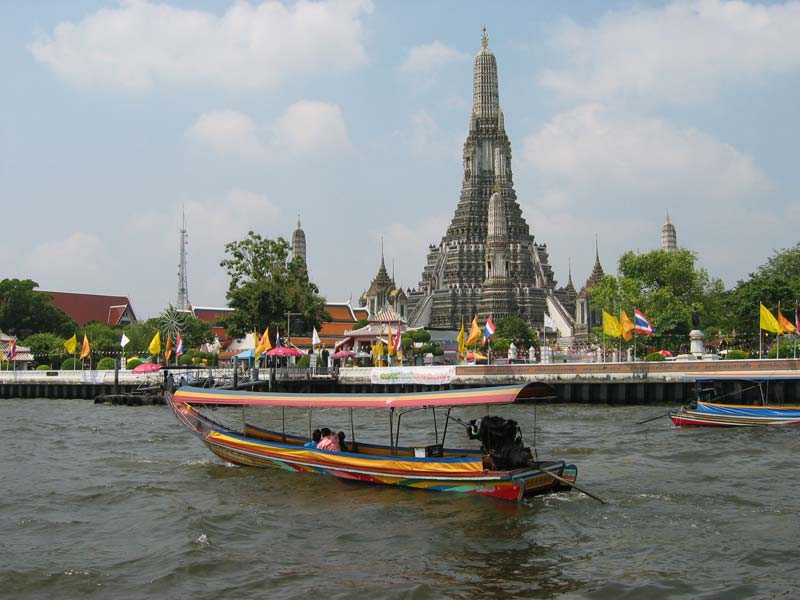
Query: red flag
398, 345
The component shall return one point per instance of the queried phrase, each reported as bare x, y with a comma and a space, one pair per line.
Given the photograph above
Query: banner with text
413, 375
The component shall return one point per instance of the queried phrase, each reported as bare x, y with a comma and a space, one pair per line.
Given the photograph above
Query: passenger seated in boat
329, 441
315, 438
342, 443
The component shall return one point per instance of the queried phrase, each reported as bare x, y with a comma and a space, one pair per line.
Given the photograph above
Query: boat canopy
463, 397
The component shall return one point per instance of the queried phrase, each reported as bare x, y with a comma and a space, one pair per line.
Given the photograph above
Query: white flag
315, 341
124, 341
549, 323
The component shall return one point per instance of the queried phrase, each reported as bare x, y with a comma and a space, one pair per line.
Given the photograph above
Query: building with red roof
83, 308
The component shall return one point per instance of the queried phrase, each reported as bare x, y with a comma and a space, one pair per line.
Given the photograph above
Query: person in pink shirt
329, 441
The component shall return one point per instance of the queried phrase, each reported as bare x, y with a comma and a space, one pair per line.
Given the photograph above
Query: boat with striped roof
501, 467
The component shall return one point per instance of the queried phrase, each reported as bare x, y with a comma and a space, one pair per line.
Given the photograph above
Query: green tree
778, 280
45, 346
24, 311
265, 285
515, 329
667, 287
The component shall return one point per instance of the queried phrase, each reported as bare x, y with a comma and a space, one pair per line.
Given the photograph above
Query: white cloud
426, 139
423, 63
54, 263
229, 132
309, 127
616, 175
305, 129
678, 53
648, 156
140, 43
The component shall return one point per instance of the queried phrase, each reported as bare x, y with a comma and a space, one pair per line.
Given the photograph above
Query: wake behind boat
502, 468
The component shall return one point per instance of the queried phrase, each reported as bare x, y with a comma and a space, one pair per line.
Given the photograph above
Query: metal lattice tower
183, 286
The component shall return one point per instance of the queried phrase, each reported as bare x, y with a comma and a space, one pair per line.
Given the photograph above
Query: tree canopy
24, 311
266, 285
667, 287
778, 280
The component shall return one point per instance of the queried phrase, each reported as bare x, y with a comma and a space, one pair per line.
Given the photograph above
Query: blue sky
116, 116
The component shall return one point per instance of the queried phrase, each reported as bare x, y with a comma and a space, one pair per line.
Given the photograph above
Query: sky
119, 117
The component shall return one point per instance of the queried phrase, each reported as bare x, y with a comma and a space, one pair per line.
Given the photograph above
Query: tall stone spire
485, 96
669, 238
487, 217
299, 242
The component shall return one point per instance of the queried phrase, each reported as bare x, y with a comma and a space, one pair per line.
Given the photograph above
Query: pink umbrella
342, 354
147, 368
665, 353
284, 351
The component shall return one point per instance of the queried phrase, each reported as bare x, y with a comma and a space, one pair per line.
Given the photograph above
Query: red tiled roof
361, 313
210, 315
334, 329
83, 308
339, 312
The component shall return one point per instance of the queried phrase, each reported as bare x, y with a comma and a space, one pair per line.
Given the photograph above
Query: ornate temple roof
669, 237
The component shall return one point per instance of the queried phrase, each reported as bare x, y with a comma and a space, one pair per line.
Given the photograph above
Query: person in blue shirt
315, 438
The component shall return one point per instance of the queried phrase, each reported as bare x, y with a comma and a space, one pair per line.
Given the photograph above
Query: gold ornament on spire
484, 38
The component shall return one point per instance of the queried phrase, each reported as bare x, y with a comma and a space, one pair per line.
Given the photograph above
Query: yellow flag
611, 326
768, 322
71, 344
462, 347
626, 325
261, 343
786, 324
474, 333
168, 351
390, 343
155, 344
86, 349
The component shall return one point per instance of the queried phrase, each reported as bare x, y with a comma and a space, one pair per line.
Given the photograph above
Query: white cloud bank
306, 128
603, 172
423, 63
141, 43
591, 147
677, 53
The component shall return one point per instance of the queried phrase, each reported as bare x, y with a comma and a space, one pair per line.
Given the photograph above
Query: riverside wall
606, 383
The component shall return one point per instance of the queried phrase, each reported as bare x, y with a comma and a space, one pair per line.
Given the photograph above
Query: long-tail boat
501, 468
713, 413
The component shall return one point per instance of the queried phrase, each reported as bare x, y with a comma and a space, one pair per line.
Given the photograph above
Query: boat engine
502, 440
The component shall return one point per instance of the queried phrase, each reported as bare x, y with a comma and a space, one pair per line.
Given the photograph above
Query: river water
119, 502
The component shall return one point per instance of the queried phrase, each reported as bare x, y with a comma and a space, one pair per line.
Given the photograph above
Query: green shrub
71, 364
133, 363
43, 368
788, 349
655, 357
5, 365
304, 361
106, 364
736, 355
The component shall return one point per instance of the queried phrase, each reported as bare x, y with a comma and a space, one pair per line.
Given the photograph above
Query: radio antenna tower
183, 287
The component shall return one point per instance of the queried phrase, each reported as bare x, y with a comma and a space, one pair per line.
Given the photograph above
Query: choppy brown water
119, 502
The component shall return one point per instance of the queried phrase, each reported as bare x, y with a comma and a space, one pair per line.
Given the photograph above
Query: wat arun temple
488, 262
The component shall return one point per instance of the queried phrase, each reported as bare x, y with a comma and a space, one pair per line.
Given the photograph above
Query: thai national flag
277, 338
398, 344
179, 345
641, 324
489, 328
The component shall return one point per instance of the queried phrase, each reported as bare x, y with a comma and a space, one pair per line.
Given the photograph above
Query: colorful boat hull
462, 471
709, 414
